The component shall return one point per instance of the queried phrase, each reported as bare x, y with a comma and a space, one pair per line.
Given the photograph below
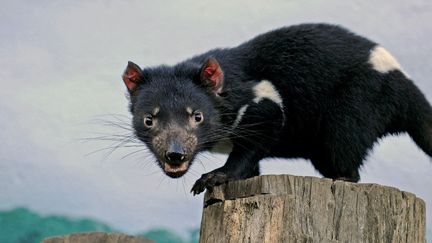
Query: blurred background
62, 106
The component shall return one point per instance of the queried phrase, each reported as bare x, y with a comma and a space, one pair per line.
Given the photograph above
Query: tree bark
287, 208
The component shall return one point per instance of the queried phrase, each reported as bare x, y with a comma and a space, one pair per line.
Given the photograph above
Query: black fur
335, 105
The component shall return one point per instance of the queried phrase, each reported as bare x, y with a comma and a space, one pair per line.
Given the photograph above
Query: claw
208, 181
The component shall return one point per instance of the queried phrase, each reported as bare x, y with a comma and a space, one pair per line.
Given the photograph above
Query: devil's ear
131, 76
212, 75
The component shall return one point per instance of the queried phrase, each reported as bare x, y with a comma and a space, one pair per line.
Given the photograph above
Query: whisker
134, 152
160, 181
184, 186
152, 173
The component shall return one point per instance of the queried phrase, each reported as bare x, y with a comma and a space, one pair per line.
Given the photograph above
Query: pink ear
131, 76
212, 75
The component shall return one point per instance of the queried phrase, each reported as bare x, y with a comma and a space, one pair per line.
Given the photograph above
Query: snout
176, 160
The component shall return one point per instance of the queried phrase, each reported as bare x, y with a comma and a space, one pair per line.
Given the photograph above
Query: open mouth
175, 170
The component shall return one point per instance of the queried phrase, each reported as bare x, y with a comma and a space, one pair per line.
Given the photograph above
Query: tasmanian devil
313, 91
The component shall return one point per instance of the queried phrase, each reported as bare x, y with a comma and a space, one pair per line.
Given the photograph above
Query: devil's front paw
209, 180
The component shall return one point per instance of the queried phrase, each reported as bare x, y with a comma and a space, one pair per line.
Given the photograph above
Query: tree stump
285, 208
97, 237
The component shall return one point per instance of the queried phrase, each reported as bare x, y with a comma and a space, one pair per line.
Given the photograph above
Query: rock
97, 237
287, 208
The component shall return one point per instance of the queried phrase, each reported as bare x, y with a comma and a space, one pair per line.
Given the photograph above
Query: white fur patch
240, 114
266, 90
224, 146
382, 61
263, 90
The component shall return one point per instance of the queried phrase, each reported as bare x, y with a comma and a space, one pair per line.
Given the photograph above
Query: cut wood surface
285, 208
97, 237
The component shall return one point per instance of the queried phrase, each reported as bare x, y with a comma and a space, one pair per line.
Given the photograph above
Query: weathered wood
287, 208
97, 237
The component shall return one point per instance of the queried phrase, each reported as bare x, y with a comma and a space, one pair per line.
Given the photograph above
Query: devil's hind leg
342, 155
347, 134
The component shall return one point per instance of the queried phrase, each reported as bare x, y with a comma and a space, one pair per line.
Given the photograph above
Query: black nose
175, 157
175, 153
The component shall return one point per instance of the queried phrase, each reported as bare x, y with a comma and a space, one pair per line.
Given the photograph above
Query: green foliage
160, 235
194, 235
163, 236
22, 226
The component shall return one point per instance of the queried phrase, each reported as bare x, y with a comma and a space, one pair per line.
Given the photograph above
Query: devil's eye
198, 116
148, 120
